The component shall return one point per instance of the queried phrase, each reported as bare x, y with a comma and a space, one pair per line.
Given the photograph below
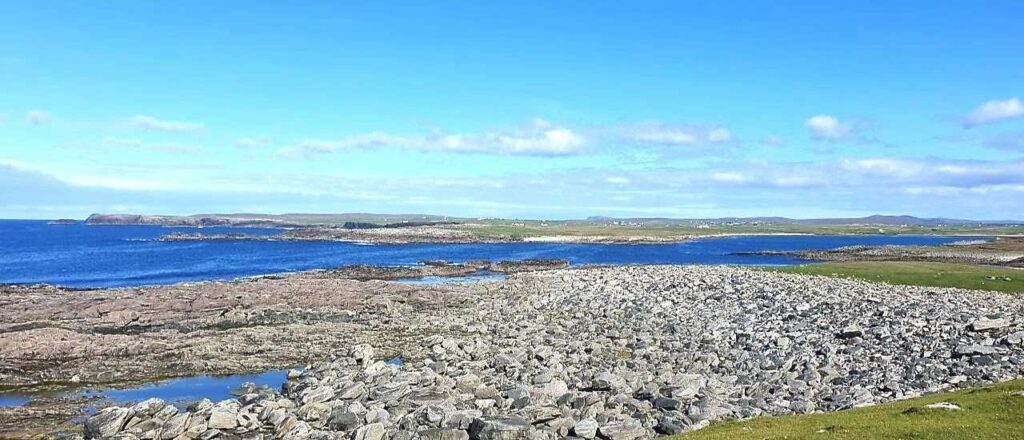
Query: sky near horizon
540, 109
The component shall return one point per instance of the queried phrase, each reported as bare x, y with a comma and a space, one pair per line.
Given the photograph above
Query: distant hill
305, 220
879, 220
261, 220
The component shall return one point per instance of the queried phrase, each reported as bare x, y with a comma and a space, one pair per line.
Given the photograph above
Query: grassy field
992, 412
681, 230
920, 273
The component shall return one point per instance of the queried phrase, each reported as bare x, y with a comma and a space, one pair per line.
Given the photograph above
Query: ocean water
112, 256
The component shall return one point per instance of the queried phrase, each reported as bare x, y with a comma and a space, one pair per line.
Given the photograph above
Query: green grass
964, 276
992, 412
680, 229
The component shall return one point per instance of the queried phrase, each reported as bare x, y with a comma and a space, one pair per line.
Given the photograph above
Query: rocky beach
618, 352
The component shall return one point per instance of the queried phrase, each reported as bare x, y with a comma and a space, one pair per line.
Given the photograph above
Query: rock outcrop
625, 353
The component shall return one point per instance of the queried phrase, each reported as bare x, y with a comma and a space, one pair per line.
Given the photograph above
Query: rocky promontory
621, 352
185, 221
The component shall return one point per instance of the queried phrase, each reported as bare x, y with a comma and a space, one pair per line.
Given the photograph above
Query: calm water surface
110, 256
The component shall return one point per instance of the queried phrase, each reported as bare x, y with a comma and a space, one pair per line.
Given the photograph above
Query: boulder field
620, 353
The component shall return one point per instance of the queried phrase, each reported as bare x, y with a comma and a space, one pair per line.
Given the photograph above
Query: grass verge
990, 412
965, 276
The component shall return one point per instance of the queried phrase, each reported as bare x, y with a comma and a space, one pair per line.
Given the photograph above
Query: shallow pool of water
13, 399
474, 278
179, 390
188, 389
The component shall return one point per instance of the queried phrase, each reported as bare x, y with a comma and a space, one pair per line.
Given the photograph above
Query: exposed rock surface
625, 353
1003, 251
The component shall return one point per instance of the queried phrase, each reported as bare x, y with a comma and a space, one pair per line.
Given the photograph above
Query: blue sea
85, 256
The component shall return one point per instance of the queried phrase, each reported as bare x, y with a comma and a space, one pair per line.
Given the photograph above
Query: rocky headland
1001, 251
186, 221
595, 352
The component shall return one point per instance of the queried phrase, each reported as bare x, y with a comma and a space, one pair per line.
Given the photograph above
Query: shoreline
620, 311
362, 237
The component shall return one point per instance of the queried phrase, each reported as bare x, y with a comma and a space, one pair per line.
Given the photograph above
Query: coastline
620, 312
432, 236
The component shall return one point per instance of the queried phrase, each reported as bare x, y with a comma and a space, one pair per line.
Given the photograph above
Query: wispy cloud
772, 140
1013, 141
994, 111
986, 189
1009, 141
541, 138
829, 128
671, 134
252, 142
152, 123
150, 146
38, 117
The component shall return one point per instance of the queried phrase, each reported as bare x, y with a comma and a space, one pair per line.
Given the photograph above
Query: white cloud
38, 117
151, 123
828, 128
616, 180
669, 134
728, 177
875, 174
540, 139
252, 142
994, 111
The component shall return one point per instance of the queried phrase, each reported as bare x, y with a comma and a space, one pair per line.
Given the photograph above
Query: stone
342, 420
686, 386
467, 383
586, 428
352, 391
373, 431
981, 325
669, 425
610, 382
362, 353
390, 392
499, 428
176, 426
317, 395
851, 332
629, 430
553, 389
485, 392
943, 405
222, 418
444, 434
148, 407
196, 427
540, 414
1016, 338
667, 403
148, 429
377, 415
107, 422
974, 350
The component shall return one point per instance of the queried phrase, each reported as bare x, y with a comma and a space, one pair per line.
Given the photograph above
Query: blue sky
515, 109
